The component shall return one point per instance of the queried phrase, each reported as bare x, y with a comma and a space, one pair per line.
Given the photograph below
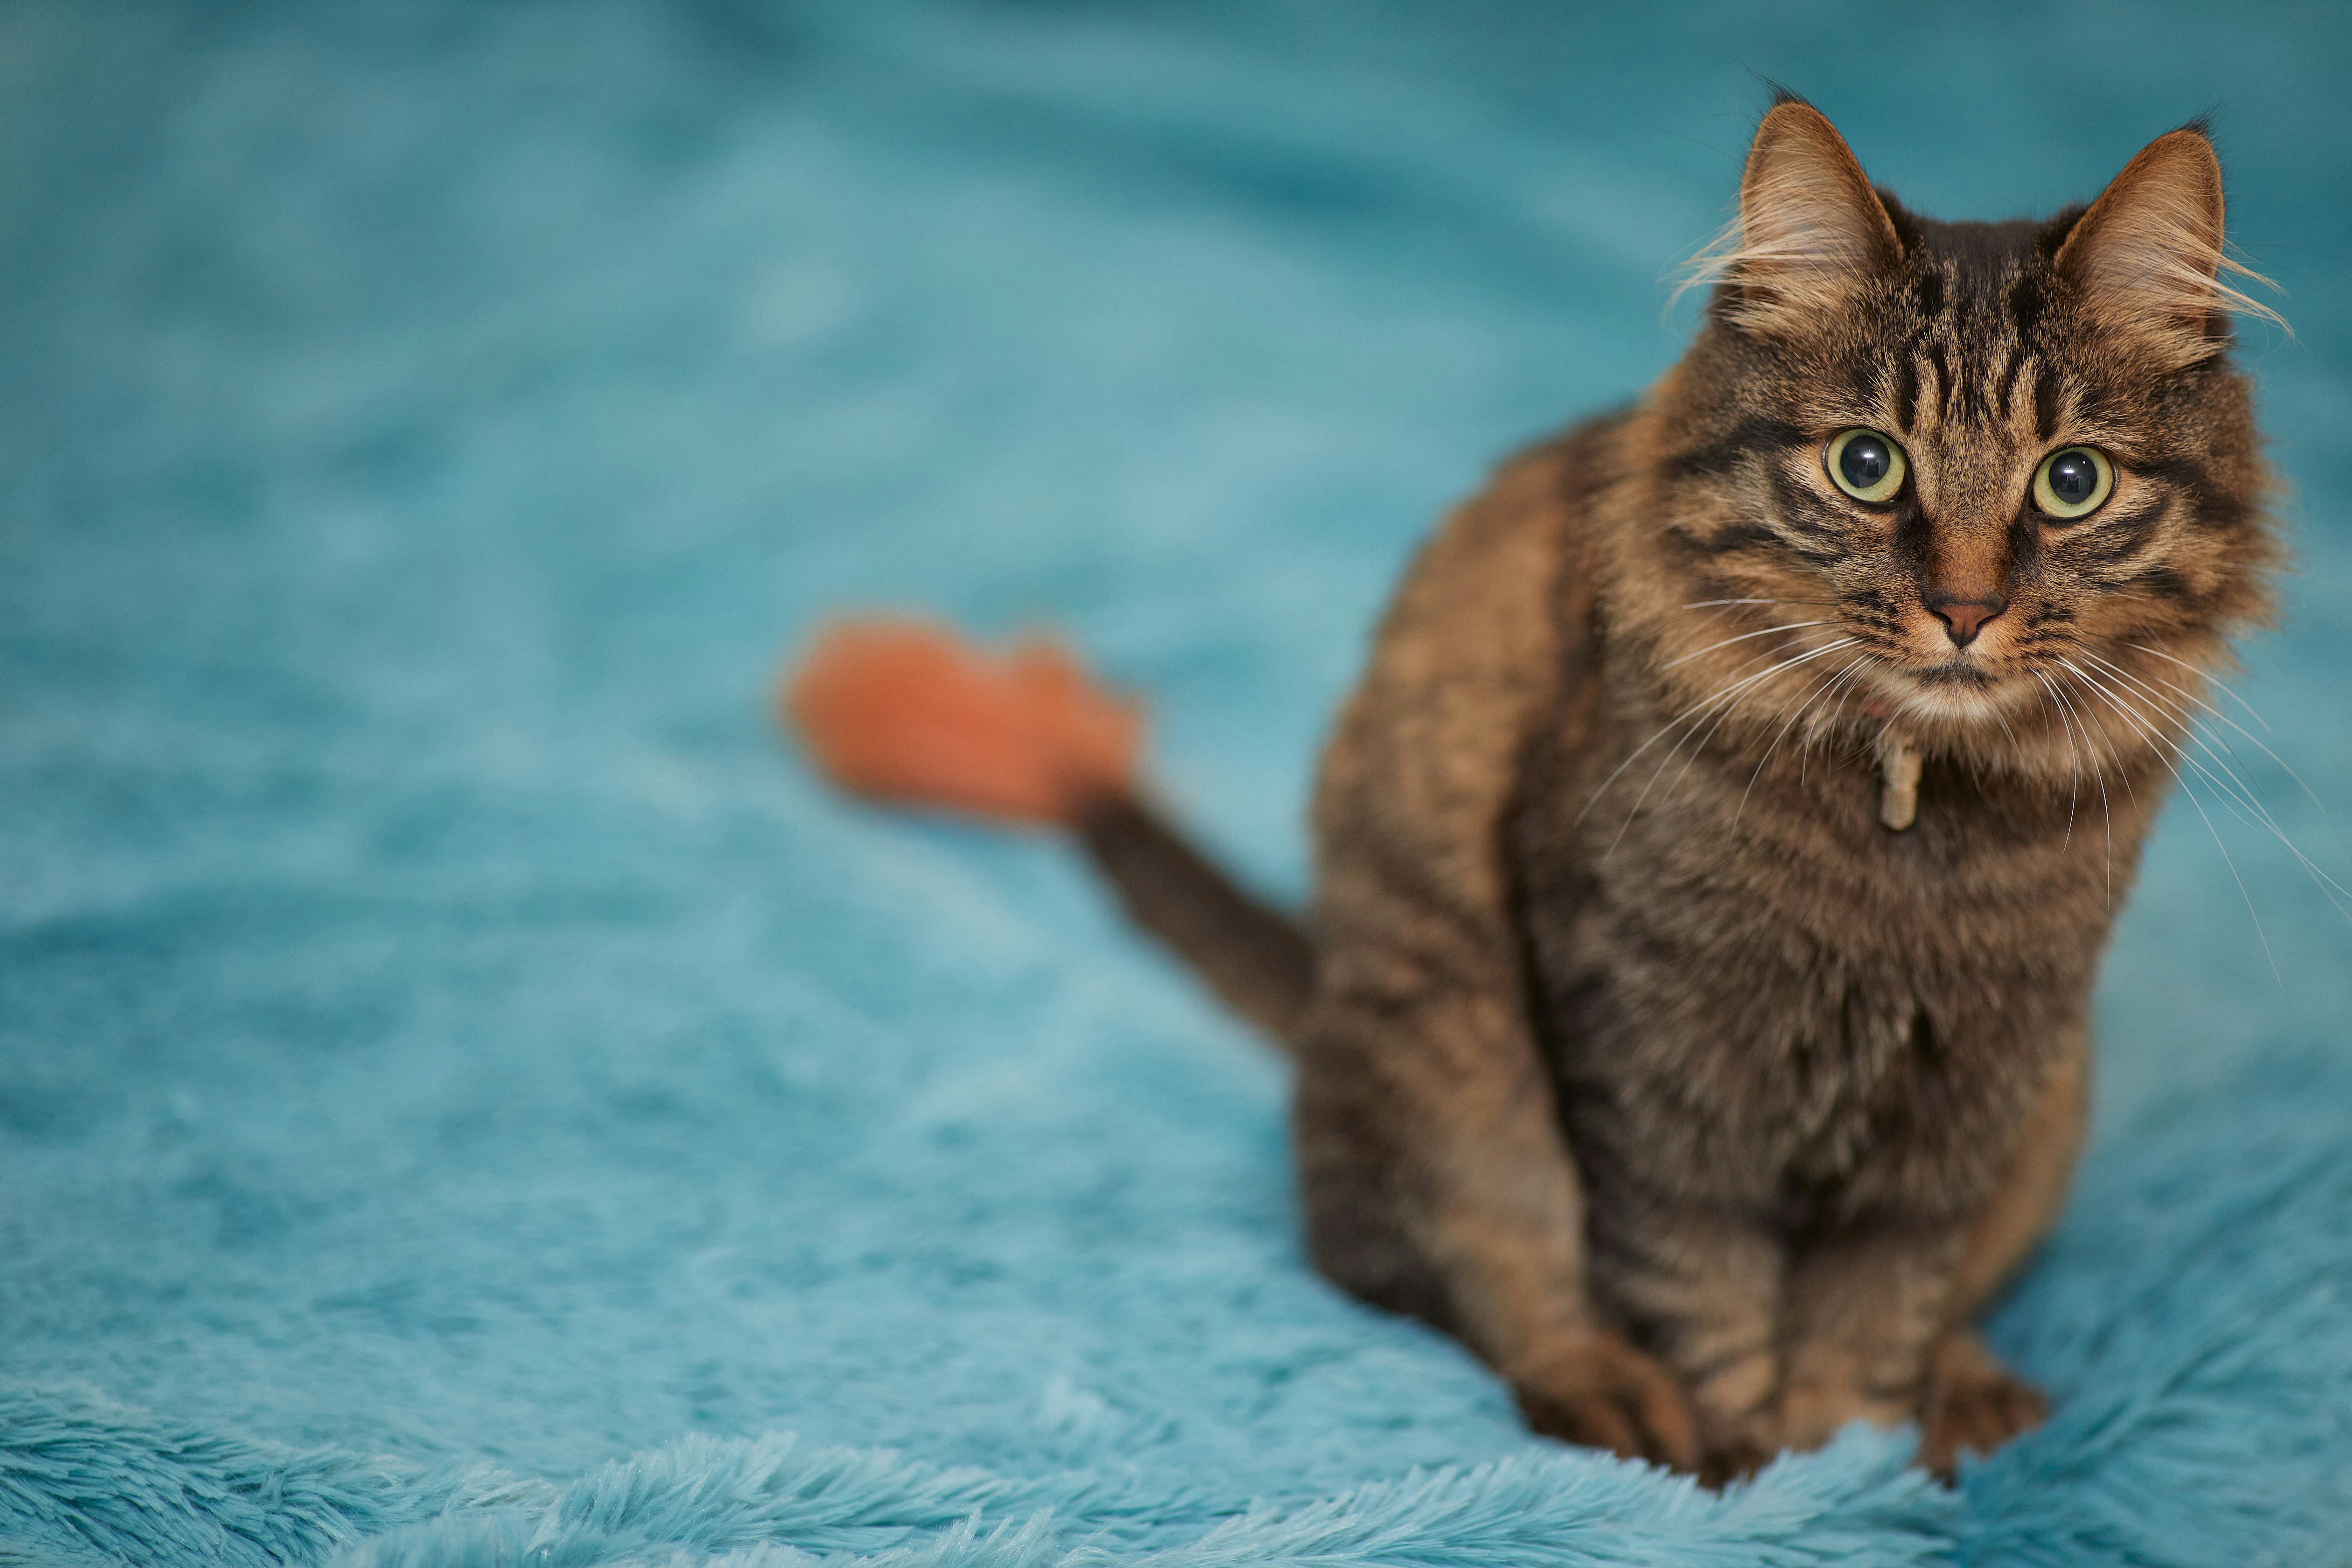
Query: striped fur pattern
1642, 1052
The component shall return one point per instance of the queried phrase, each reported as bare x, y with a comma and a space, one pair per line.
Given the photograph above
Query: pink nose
1963, 619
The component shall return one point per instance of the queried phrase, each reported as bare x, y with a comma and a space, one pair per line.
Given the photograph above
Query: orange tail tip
900, 711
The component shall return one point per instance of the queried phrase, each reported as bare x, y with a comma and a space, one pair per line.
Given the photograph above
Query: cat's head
1991, 482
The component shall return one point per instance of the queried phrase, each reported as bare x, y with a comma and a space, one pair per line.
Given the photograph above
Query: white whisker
1661, 732
2253, 738
1744, 637
1708, 604
2160, 748
2236, 788
2073, 763
2107, 811
1775, 746
1841, 680
1729, 698
2205, 675
1696, 751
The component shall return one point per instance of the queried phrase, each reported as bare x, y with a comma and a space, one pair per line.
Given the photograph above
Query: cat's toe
1732, 1462
1602, 1393
1974, 1404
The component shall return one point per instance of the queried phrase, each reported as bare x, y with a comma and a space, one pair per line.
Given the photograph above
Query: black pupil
2074, 477
1866, 462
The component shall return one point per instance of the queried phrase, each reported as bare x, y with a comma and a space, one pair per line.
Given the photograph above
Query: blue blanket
468, 1097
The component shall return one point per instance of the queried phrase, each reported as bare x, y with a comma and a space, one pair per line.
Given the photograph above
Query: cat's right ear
1811, 233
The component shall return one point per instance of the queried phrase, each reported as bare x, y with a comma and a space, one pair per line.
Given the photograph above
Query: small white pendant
1899, 772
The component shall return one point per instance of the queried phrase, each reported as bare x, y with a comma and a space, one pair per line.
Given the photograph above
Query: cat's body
1718, 996
1714, 865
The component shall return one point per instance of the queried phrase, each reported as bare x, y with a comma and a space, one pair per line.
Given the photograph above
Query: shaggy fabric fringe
2194, 1321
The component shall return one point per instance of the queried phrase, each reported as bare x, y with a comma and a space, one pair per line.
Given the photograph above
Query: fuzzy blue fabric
467, 1097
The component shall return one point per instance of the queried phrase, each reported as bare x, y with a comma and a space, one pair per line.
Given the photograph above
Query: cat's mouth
1956, 671
1958, 688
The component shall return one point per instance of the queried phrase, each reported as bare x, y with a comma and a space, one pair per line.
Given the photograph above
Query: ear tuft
2148, 254
1810, 229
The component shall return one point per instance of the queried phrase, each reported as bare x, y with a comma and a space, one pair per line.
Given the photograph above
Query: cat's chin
1961, 693
1957, 675
1967, 707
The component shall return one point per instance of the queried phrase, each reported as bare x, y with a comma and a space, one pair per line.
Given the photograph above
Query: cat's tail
914, 716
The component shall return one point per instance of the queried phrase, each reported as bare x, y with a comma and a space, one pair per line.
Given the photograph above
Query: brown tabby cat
1716, 861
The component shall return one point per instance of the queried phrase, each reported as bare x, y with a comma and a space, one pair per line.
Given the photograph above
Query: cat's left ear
2147, 255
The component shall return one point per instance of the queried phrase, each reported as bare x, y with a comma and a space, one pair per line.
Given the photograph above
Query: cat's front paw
1734, 1460
1974, 1403
1598, 1391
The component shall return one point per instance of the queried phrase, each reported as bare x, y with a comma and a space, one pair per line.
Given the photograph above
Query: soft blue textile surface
466, 1095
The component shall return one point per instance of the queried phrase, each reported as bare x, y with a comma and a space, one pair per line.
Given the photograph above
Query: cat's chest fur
1756, 993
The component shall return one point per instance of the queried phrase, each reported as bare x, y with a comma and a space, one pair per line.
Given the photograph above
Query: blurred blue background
437, 1015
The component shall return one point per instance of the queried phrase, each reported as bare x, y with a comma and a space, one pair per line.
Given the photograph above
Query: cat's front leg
1703, 1288
1437, 1183
1973, 1402
1865, 1305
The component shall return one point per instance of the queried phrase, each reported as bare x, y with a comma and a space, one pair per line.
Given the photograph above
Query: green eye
1865, 465
2073, 483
